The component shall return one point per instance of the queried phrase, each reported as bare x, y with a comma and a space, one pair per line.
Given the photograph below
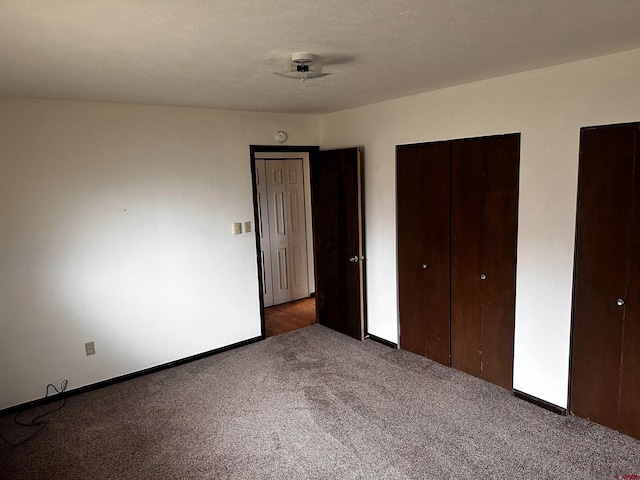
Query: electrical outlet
90, 348
247, 227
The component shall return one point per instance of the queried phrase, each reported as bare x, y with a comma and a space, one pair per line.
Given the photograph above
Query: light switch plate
247, 227
237, 228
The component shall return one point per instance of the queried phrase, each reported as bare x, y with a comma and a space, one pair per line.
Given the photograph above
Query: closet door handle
425, 265
483, 276
620, 302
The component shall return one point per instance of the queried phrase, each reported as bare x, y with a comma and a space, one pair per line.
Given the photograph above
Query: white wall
115, 226
548, 106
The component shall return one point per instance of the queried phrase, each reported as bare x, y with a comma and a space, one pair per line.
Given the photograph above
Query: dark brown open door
338, 240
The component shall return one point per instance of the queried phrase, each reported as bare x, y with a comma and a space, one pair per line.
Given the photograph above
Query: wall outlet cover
90, 348
237, 228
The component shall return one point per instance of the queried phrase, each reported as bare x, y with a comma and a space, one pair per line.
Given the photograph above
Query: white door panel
276, 189
281, 271
285, 230
297, 239
279, 214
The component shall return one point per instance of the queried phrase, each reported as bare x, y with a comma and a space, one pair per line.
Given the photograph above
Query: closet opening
457, 219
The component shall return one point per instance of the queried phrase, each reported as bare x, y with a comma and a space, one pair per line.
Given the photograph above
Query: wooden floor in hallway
290, 316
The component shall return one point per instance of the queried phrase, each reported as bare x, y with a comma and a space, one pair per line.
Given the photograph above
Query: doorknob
354, 259
620, 302
424, 265
483, 277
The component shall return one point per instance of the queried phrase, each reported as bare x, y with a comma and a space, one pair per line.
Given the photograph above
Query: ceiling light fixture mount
301, 67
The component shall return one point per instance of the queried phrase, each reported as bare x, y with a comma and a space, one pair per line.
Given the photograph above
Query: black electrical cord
36, 421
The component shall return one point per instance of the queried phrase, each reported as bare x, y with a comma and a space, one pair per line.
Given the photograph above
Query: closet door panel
629, 409
604, 208
423, 174
501, 161
467, 198
484, 237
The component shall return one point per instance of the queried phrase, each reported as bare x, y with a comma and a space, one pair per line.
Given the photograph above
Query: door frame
253, 149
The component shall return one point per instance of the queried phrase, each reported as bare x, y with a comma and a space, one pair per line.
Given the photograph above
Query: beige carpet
312, 404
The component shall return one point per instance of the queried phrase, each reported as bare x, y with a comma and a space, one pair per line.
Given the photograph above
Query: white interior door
276, 189
263, 231
287, 233
296, 234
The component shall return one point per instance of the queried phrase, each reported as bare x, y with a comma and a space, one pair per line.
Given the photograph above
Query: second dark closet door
484, 206
605, 378
423, 204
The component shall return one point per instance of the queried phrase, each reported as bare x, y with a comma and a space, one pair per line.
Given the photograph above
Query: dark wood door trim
361, 248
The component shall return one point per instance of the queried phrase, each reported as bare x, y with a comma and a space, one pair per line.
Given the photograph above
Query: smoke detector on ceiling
301, 67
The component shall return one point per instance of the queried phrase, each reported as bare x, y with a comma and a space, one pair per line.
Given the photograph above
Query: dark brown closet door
603, 232
467, 223
629, 409
500, 239
338, 237
484, 195
423, 176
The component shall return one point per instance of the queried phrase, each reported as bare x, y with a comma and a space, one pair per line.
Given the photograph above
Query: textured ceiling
221, 53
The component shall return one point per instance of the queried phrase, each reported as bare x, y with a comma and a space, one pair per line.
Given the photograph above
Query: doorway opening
334, 239
290, 316
284, 237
